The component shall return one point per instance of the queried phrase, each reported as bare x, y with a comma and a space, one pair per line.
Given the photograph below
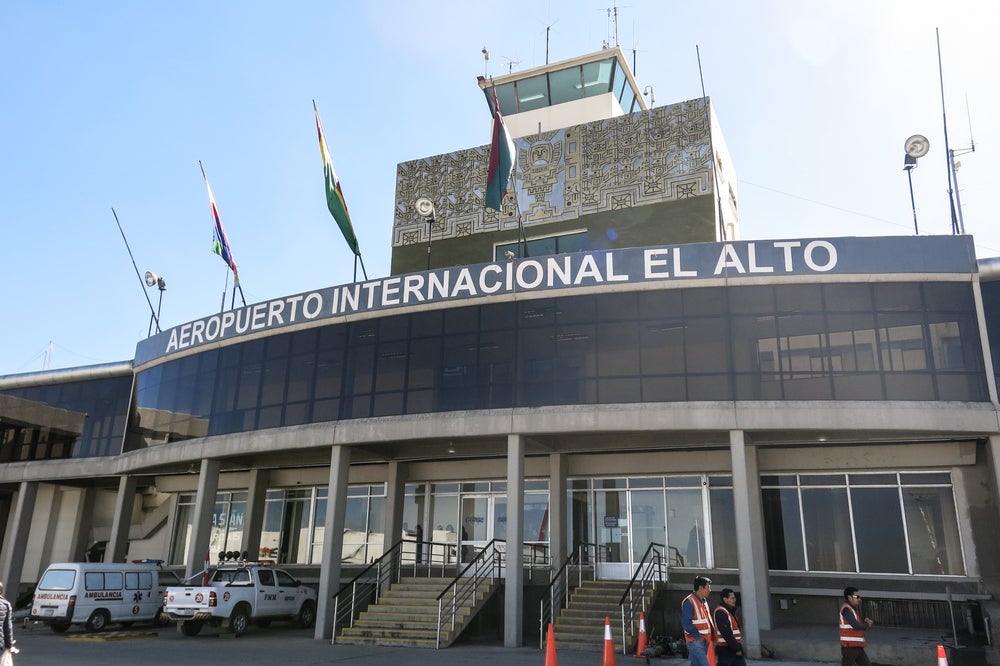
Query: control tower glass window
532, 94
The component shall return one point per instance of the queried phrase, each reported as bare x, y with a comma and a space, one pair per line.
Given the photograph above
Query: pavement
281, 645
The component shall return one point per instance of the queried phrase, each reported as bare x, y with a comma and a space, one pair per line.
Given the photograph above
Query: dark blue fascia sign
602, 268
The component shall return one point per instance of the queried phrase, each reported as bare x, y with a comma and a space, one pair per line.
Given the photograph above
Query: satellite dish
150, 278
917, 145
424, 206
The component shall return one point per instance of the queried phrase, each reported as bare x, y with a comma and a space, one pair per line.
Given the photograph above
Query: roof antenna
955, 166
955, 229
711, 150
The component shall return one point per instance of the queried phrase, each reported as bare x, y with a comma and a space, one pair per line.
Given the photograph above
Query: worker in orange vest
696, 619
852, 630
729, 638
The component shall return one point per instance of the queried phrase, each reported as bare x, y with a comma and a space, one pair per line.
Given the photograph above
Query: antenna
949, 158
612, 25
511, 63
151, 310
711, 149
955, 166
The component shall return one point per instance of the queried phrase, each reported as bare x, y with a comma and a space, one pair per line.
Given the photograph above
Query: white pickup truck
237, 594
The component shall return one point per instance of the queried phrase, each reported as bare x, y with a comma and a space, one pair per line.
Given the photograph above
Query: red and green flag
502, 157
220, 242
334, 195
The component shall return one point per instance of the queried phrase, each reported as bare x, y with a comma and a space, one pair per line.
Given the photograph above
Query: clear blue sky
112, 104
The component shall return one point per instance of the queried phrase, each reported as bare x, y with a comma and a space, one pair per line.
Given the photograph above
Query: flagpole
240, 287
225, 290
521, 236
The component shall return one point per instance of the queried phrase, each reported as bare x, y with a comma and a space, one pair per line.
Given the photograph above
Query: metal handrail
556, 594
650, 571
355, 596
486, 564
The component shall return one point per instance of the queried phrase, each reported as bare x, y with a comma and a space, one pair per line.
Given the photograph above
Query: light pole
152, 279
425, 209
916, 146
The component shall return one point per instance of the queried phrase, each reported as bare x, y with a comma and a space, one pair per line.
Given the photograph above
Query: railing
405, 556
485, 565
650, 571
556, 595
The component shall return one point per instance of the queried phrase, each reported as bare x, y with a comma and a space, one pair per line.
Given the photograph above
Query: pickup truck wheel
59, 627
307, 615
98, 620
239, 620
191, 627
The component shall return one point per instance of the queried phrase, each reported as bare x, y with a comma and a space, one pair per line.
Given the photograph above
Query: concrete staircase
580, 625
406, 615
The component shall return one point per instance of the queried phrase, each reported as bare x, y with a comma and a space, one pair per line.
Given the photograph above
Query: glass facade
883, 341
691, 515
565, 85
883, 522
102, 404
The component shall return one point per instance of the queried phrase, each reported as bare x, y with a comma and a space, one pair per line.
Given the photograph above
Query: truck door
268, 599
287, 592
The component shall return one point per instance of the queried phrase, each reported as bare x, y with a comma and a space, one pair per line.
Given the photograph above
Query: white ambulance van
96, 594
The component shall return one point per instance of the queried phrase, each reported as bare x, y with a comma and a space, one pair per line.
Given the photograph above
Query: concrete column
513, 625
558, 548
117, 549
253, 519
755, 591
395, 485
204, 506
82, 526
16, 543
333, 541
994, 457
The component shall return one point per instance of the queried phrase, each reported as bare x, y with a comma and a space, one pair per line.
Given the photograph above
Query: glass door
611, 514
483, 518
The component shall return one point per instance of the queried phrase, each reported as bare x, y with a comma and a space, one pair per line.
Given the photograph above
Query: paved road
277, 645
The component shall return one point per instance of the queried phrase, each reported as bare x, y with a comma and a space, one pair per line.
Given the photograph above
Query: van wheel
59, 627
239, 620
307, 615
98, 621
191, 627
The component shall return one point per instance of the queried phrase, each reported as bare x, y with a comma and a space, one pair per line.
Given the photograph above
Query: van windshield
57, 579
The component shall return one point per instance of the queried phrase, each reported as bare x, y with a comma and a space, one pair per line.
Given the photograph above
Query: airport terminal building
603, 363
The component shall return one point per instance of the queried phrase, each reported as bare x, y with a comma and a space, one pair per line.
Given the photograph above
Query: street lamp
916, 146
152, 279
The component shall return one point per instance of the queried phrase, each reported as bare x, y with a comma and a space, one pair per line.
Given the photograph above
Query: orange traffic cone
609, 645
643, 639
942, 657
550, 647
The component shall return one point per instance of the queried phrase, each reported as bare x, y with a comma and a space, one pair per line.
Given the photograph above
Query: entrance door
483, 518
611, 514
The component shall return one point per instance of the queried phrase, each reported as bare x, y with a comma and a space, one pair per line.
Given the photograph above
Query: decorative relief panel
643, 158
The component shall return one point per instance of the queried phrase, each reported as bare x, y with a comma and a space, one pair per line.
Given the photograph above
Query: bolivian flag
334, 196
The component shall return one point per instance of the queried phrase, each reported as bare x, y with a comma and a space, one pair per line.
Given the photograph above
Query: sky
112, 105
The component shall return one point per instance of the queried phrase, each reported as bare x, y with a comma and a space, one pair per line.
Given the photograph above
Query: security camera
486, 53
510, 255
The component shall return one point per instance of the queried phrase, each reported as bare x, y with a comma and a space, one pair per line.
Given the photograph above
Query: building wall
562, 181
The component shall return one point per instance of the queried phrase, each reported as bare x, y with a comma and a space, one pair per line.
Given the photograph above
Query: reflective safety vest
701, 619
737, 634
849, 636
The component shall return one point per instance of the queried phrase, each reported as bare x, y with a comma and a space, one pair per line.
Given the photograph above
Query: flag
220, 242
501, 160
334, 196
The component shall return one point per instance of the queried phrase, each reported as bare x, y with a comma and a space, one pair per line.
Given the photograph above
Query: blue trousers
698, 653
